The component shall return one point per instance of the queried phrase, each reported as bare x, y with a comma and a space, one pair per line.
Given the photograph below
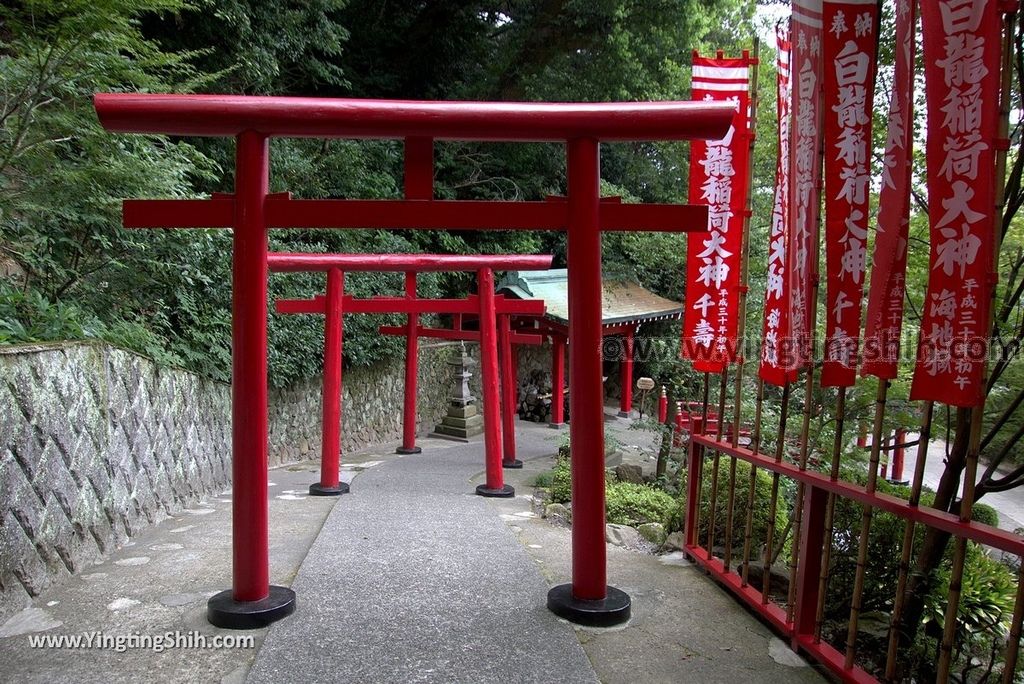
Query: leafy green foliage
634, 504
626, 503
761, 512
62, 177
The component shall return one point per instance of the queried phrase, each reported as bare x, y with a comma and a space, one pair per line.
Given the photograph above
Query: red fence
798, 615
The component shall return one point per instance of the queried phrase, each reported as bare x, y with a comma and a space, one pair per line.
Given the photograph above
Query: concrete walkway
414, 578
409, 578
1009, 504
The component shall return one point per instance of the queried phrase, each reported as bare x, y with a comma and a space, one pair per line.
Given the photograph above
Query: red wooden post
419, 184
495, 485
808, 574
898, 455
411, 373
589, 599
694, 467
252, 601
681, 418
557, 382
626, 374
330, 448
663, 406
508, 394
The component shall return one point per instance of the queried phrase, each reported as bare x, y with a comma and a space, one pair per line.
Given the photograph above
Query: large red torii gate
336, 303
252, 210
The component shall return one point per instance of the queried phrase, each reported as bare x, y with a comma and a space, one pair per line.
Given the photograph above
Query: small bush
634, 504
625, 503
762, 501
561, 482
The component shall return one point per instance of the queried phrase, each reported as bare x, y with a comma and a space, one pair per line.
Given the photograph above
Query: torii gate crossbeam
251, 211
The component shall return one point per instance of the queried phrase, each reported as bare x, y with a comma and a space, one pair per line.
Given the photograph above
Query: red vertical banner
718, 178
850, 54
774, 348
884, 319
805, 176
962, 56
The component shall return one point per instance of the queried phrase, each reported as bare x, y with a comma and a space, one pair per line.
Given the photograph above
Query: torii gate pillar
252, 601
588, 600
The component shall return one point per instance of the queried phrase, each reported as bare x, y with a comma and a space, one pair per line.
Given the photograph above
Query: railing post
694, 464
898, 456
626, 375
808, 575
330, 483
252, 601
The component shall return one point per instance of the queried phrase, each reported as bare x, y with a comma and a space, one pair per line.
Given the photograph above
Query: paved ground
159, 583
1009, 505
414, 578
411, 578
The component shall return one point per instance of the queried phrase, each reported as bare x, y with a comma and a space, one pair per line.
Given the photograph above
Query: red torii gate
336, 303
507, 338
252, 210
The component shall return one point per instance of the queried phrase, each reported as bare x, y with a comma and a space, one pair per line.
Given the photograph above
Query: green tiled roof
621, 301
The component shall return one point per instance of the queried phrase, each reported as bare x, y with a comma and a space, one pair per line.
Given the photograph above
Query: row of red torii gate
251, 211
537, 311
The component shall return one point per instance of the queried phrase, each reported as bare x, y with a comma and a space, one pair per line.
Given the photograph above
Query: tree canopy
167, 294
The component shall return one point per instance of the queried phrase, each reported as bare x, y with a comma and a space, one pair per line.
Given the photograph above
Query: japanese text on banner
775, 347
805, 174
962, 56
884, 318
718, 178
850, 41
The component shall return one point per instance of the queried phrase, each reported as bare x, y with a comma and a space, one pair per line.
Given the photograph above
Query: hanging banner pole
719, 170
776, 343
1001, 144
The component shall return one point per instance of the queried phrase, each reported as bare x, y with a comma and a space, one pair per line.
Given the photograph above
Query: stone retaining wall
97, 443
372, 399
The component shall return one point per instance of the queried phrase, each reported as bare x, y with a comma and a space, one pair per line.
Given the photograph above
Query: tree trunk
922, 576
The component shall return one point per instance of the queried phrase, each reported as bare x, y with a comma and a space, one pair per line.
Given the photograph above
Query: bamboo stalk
780, 447
798, 505
956, 574
908, 544
723, 387
704, 399
742, 306
755, 444
830, 511
865, 525
715, 462
978, 413
1013, 641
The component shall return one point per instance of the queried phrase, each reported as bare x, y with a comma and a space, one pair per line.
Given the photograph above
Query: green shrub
634, 504
762, 506
561, 482
625, 503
